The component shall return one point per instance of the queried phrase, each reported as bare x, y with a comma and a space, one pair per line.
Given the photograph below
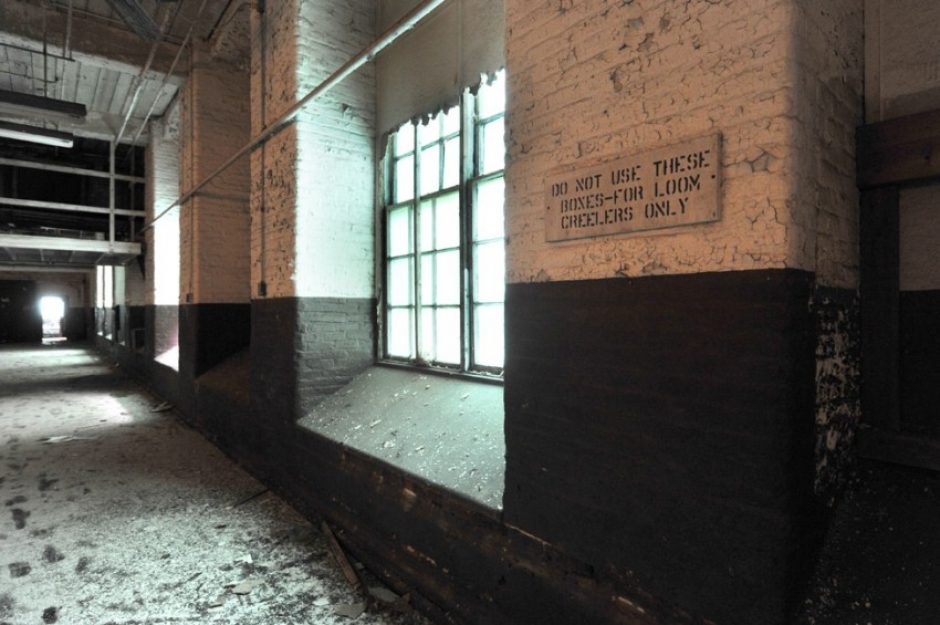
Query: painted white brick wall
273, 188
828, 106
214, 225
316, 239
596, 80
163, 240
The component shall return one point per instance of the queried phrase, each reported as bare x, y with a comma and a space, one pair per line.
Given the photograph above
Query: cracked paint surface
590, 82
838, 411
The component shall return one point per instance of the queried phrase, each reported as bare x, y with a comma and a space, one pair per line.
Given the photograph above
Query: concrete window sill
448, 431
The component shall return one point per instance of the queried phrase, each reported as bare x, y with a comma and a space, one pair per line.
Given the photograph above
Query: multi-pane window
445, 241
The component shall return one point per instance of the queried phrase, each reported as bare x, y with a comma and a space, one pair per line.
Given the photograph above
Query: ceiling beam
102, 126
137, 18
72, 208
93, 42
67, 169
42, 104
31, 242
46, 268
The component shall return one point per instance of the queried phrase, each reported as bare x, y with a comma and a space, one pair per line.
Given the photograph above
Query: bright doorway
52, 310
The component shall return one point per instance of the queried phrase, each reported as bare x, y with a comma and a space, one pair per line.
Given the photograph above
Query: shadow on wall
20, 321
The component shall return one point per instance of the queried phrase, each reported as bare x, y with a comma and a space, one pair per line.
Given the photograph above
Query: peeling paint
838, 411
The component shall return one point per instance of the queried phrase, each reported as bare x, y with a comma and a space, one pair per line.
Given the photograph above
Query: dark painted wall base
138, 360
75, 324
838, 392
208, 334
660, 439
20, 321
661, 429
304, 349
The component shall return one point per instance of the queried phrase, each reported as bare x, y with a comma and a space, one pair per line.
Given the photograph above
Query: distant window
445, 239
108, 287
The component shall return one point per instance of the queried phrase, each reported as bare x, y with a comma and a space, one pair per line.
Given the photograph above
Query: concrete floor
881, 561
111, 513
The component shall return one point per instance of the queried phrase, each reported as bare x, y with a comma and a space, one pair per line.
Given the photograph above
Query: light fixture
35, 134
40, 103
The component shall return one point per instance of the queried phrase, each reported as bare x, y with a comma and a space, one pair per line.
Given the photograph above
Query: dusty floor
447, 430
111, 513
880, 564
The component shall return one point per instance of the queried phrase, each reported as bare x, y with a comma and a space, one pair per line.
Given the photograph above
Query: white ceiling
106, 92
100, 89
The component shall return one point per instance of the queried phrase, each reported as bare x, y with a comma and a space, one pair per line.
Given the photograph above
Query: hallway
115, 513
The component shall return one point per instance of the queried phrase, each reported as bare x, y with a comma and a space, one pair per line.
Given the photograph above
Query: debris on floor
350, 610
136, 524
340, 557
245, 587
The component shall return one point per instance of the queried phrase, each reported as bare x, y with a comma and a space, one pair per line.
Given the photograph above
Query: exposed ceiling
85, 51
188, 10
100, 89
106, 89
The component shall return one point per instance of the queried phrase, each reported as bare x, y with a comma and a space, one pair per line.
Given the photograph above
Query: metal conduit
169, 72
399, 28
139, 80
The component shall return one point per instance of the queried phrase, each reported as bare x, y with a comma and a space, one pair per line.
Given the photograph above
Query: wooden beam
68, 169
30, 242
93, 42
72, 208
879, 294
43, 104
897, 151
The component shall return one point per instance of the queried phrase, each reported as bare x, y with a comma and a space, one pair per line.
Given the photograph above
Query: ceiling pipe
137, 19
390, 36
139, 80
169, 72
66, 48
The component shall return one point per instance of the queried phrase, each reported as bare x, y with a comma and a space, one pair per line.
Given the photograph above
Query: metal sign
672, 186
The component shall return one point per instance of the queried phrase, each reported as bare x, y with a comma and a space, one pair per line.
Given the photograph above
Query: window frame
470, 177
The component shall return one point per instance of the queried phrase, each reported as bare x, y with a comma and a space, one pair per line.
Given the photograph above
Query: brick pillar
312, 206
162, 289
214, 224
660, 386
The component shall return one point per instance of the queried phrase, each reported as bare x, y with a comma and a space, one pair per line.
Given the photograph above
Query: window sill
453, 374
446, 429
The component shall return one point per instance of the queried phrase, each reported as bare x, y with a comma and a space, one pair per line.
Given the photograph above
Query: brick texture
313, 192
162, 189
828, 57
214, 225
595, 80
